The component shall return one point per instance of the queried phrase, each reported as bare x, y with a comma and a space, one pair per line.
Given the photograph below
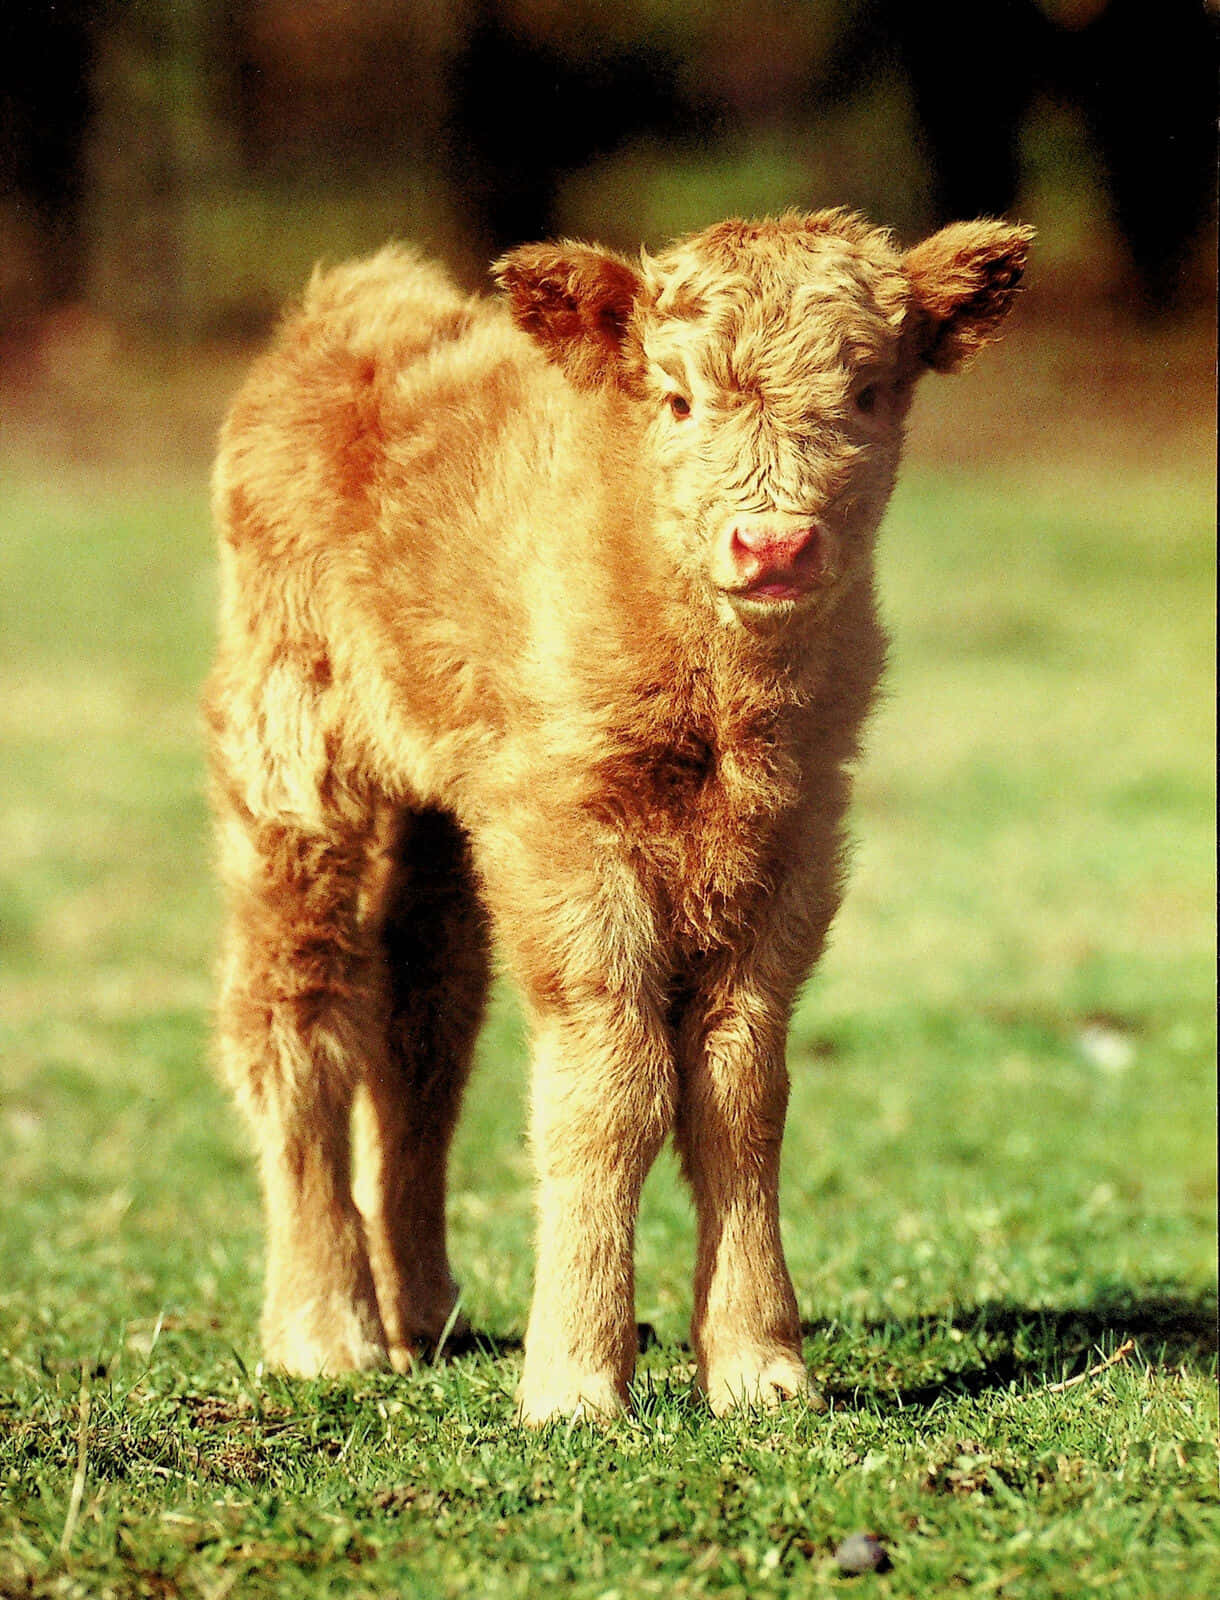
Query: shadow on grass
477, 1341
1038, 1345
1044, 1344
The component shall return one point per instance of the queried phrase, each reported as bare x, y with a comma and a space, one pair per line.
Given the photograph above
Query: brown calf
551, 617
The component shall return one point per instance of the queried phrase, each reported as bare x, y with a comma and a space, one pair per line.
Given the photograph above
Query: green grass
999, 1166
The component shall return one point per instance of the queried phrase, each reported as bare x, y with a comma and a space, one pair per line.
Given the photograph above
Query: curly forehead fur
743, 305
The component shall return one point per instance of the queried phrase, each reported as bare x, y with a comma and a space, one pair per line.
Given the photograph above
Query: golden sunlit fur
550, 618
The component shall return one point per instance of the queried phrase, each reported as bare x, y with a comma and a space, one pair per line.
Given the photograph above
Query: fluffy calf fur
551, 617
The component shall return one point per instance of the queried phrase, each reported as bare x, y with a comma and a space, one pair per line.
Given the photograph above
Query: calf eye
866, 398
679, 405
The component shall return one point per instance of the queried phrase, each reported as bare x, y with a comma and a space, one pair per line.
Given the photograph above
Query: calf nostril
803, 540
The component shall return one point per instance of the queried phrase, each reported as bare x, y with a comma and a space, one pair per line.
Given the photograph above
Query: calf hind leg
296, 1025
435, 972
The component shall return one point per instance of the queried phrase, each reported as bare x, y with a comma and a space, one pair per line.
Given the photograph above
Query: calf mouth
779, 593
787, 588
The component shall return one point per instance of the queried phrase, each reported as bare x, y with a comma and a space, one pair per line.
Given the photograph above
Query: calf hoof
430, 1343
760, 1381
324, 1341
404, 1357
560, 1395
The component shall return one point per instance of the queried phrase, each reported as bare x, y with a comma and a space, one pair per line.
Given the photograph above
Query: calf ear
963, 283
576, 300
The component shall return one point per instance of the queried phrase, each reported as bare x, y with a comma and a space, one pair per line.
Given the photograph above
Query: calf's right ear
577, 301
963, 283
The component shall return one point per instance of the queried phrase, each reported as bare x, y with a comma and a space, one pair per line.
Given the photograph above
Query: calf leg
434, 947
296, 1025
603, 1099
730, 1122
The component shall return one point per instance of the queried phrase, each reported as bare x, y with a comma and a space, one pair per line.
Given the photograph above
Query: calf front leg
602, 1104
730, 1123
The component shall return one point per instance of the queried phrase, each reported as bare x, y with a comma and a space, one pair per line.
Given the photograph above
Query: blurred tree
124, 124
1143, 72
332, 83
46, 105
157, 153
529, 105
972, 87
540, 90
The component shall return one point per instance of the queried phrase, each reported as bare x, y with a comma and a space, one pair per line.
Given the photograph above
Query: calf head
769, 367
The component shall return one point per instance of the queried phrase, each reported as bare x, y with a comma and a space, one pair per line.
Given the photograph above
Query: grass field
999, 1168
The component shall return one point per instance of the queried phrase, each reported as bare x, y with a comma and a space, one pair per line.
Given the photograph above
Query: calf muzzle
779, 558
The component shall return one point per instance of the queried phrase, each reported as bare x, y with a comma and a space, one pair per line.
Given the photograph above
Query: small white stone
1107, 1049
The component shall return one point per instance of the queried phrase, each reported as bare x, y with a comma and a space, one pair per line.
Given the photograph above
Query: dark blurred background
172, 168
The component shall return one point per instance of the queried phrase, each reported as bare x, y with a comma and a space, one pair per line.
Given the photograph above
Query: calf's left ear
963, 283
576, 300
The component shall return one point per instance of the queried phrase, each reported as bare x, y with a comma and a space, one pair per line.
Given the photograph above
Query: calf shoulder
408, 490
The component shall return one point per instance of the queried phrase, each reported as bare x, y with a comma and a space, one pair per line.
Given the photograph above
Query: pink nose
776, 544
780, 557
